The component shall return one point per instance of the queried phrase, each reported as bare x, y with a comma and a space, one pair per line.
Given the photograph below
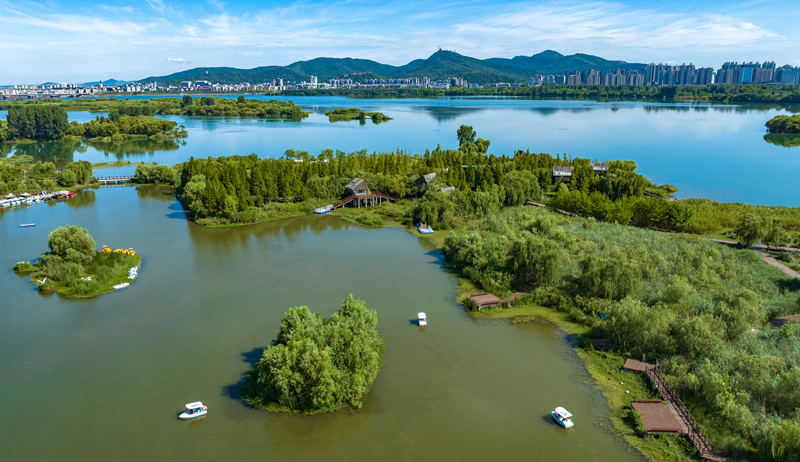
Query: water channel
711, 151
103, 379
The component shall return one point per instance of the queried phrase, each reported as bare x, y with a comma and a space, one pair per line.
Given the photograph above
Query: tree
72, 243
466, 135
537, 261
43, 123
316, 364
749, 230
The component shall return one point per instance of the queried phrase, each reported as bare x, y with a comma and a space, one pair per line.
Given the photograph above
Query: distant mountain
444, 64
553, 62
440, 65
112, 82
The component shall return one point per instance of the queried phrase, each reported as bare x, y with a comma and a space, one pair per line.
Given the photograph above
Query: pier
672, 417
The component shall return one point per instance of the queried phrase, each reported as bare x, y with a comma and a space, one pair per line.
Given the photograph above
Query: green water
104, 379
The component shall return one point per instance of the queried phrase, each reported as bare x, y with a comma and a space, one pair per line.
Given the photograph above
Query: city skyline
85, 42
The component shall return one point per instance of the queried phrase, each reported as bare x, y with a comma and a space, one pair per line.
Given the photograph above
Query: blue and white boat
562, 417
193, 410
322, 210
424, 229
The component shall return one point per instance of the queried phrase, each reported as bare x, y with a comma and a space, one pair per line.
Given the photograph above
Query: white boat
195, 409
422, 319
562, 416
121, 285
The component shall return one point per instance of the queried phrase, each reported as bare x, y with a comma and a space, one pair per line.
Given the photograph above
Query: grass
70, 280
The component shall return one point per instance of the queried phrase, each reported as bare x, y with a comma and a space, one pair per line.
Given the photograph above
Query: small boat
422, 320
195, 409
562, 417
121, 285
27, 225
324, 210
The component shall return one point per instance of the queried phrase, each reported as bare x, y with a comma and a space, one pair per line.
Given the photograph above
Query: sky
79, 41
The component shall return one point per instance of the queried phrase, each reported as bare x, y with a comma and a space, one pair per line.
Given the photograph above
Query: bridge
364, 200
114, 179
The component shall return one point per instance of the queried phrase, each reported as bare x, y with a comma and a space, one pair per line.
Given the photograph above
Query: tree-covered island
316, 364
73, 268
354, 113
784, 124
203, 106
27, 123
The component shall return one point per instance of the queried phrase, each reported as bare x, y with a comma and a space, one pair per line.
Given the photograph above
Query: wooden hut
600, 167
478, 301
357, 187
425, 179
562, 173
448, 189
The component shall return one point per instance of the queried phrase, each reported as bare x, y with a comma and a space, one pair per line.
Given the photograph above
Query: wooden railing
695, 434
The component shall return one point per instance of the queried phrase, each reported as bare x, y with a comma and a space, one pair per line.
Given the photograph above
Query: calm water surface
104, 379
706, 151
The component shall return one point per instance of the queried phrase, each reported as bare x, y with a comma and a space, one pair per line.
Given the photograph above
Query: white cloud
177, 60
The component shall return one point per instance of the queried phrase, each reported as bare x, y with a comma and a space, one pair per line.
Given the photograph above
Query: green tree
72, 243
316, 364
749, 230
466, 136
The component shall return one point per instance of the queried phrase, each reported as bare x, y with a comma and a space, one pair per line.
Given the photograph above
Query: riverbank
646, 284
604, 367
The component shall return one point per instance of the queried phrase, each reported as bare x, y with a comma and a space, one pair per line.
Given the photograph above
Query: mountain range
440, 65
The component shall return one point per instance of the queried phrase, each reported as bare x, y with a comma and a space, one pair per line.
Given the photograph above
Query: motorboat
422, 320
193, 410
562, 417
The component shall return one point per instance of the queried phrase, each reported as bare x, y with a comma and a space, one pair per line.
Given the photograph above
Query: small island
73, 268
318, 365
784, 124
354, 113
783, 131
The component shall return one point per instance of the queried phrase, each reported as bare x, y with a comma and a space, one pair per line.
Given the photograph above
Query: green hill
553, 62
444, 64
440, 65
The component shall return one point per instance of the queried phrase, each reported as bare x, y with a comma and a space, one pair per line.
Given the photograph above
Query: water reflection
132, 148
787, 140
84, 197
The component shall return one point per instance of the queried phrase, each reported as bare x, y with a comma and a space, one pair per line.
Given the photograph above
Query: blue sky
77, 41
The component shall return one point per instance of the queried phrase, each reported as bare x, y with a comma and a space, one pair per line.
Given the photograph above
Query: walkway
692, 431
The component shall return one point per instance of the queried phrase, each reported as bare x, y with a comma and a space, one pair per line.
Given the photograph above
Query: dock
672, 415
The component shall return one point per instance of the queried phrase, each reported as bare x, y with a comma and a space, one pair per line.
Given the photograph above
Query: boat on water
422, 320
562, 417
194, 410
27, 225
121, 285
324, 210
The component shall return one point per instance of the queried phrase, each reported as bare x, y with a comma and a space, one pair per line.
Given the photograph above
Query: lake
709, 151
104, 379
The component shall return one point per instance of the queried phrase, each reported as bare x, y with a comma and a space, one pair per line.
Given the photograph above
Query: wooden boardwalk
364, 200
692, 431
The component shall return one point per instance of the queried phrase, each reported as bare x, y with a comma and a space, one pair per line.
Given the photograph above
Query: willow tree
316, 364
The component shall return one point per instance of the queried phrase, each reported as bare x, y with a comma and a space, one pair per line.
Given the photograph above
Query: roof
563, 412
357, 184
194, 405
421, 315
448, 189
428, 177
485, 299
600, 165
562, 171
